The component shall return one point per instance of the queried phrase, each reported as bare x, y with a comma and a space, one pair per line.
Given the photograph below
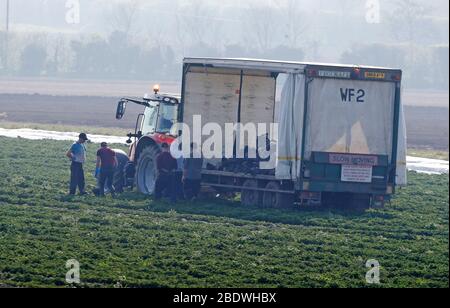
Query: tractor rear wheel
146, 170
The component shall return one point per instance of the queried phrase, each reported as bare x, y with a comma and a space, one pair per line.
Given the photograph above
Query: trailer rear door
350, 116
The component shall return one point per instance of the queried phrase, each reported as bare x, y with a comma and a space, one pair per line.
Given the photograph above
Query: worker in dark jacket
192, 174
165, 165
106, 166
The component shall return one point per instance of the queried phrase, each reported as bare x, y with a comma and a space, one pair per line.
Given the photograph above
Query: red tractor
155, 126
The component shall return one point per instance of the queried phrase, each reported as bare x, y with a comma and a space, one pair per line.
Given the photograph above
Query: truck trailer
340, 133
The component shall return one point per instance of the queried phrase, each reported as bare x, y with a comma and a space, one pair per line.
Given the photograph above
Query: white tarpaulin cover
290, 128
402, 168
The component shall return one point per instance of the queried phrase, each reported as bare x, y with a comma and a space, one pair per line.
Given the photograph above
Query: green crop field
132, 241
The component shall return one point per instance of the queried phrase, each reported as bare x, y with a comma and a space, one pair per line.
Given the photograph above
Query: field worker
77, 155
192, 174
165, 165
106, 166
178, 176
119, 175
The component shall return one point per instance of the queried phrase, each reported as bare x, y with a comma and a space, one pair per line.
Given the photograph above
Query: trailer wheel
276, 200
361, 202
250, 196
146, 170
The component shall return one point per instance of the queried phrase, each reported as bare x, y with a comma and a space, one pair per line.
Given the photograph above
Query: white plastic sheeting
290, 131
33, 134
427, 166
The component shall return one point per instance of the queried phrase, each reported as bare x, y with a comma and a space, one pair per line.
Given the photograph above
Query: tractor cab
159, 118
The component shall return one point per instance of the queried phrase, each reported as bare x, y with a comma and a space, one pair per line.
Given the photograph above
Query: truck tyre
250, 196
276, 200
361, 202
146, 170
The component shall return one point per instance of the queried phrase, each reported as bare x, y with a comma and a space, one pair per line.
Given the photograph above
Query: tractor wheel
250, 196
146, 170
276, 200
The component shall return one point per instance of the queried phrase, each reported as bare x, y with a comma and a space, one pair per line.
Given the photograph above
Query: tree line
119, 57
116, 56
139, 39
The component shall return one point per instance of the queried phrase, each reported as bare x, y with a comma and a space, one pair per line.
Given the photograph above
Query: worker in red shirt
165, 165
106, 165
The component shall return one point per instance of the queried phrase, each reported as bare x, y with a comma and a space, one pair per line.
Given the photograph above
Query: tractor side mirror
121, 107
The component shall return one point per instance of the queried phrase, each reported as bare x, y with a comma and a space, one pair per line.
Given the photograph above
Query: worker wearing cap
106, 166
165, 165
77, 155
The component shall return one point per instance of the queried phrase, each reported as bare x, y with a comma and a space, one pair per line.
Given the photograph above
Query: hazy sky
333, 25
51, 13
